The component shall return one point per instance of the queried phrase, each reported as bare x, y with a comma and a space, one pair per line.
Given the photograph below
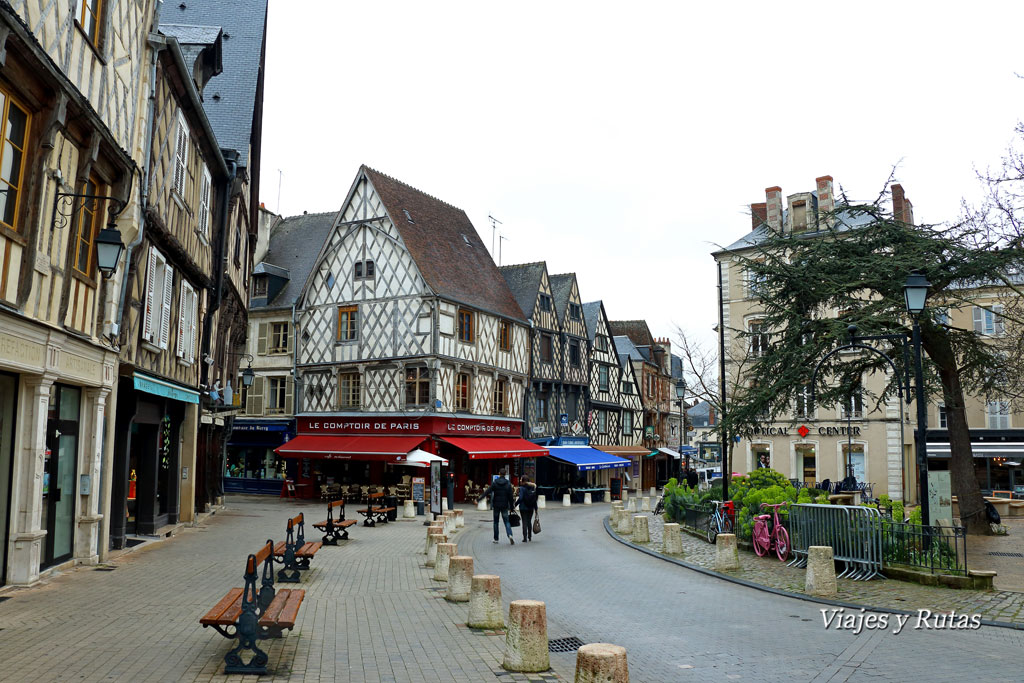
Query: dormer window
799, 216
574, 311
545, 303
259, 286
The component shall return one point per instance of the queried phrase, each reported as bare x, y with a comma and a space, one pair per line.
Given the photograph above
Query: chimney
758, 215
773, 200
902, 208
826, 201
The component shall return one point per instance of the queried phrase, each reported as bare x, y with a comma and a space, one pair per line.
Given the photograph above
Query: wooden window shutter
289, 395
254, 402
193, 324
979, 319
261, 340
204, 203
183, 308
165, 313
288, 337
148, 311
181, 156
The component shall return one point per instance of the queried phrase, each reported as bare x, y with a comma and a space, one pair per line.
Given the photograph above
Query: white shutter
979, 325
997, 320
181, 155
148, 316
165, 314
204, 203
193, 324
180, 349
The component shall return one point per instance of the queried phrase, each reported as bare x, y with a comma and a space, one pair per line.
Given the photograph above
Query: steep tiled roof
294, 245
636, 330
591, 316
625, 347
677, 367
446, 247
229, 98
524, 280
561, 289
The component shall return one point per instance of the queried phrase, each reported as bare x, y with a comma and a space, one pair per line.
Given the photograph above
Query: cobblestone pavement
998, 605
1009, 569
372, 613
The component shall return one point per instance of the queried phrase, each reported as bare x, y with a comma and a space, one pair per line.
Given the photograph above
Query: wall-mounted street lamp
247, 375
109, 245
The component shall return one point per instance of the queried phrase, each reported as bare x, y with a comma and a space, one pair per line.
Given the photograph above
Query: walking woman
527, 503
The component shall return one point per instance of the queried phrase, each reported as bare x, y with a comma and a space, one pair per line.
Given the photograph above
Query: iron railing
695, 516
937, 549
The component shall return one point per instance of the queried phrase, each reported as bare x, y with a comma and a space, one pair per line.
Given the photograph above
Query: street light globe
915, 291
680, 388
109, 248
247, 377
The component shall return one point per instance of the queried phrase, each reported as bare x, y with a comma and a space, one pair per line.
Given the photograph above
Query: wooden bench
374, 514
249, 615
335, 529
295, 551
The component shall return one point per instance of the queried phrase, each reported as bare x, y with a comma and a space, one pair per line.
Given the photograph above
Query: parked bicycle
719, 521
777, 539
659, 509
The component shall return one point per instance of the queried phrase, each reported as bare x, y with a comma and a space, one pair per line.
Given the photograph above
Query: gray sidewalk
371, 613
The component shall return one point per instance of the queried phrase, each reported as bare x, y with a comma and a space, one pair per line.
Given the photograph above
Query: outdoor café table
596, 495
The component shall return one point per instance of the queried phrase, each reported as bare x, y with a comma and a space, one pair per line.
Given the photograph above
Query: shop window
466, 326
350, 390
505, 335
87, 226
348, 328
499, 402
462, 391
545, 348
280, 334
12, 159
156, 323
417, 386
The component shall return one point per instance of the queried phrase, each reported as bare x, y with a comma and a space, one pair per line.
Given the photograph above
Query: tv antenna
494, 227
501, 238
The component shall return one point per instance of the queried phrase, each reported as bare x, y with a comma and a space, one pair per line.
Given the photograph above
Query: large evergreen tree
852, 272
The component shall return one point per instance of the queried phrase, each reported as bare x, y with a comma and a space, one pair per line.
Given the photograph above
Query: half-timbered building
609, 423
575, 350
168, 292
407, 337
71, 89
640, 374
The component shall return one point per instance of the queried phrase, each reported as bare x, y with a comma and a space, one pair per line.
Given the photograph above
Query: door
805, 463
854, 462
8, 393
59, 473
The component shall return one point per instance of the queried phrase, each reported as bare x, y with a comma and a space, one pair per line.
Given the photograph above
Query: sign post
435, 488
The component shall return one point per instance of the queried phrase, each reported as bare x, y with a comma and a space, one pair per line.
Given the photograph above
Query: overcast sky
623, 141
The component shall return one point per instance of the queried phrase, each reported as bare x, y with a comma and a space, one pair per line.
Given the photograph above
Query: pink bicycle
778, 537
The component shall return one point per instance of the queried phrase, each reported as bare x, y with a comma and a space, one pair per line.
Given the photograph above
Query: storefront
252, 465
998, 456
573, 464
372, 450
636, 455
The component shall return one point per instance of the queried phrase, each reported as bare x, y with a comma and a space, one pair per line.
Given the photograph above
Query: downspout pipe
221, 257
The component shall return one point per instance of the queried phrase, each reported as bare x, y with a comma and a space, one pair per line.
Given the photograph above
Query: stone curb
778, 591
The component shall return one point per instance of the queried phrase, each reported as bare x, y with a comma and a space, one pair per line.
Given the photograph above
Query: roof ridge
572, 273
414, 189
303, 215
523, 265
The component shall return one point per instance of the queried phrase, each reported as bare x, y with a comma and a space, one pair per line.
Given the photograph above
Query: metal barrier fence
852, 531
696, 516
935, 548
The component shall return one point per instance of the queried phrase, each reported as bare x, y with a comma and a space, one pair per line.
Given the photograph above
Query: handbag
513, 518
536, 521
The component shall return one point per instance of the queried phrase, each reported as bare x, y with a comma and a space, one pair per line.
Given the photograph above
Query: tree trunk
961, 458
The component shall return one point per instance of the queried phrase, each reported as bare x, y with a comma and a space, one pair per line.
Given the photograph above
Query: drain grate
570, 644
104, 569
1007, 554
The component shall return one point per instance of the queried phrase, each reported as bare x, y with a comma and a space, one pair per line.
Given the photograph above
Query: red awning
482, 448
333, 447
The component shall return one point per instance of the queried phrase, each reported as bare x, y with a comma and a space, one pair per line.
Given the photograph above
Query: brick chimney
773, 202
826, 201
758, 215
902, 208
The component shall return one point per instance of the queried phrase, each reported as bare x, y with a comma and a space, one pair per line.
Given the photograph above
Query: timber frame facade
616, 426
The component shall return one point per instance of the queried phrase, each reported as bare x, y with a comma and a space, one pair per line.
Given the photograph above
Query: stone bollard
542, 501
645, 504
460, 519
444, 557
625, 523
432, 543
673, 539
631, 506
460, 578
601, 663
613, 518
641, 532
624, 495
432, 529
485, 609
566, 500
482, 504
820, 578
727, 556
653, 492
587, 500
449, 522
526, 640
444, 504
410, 509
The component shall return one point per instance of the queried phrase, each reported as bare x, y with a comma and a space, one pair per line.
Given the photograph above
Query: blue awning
586, 458
159, 387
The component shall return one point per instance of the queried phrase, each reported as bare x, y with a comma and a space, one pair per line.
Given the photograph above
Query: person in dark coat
527, 503
502, 496
691, 478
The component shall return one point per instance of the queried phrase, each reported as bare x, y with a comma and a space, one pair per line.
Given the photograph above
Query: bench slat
346, 523
225, 612
309, 549
280, 548
284, 609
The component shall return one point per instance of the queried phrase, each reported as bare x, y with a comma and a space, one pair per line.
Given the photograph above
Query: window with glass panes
572, 403
998, 414
601, 342
574, 311
602, 422
499, 402
88, 16
87, 226
465, 325
943, 424
602, 378
545, 348
574, 353
627, 422
505, 335
417, 386
347, 323
853, 404
349, 389
279, 337
543, 401
275, 396
758, 338
462, 386
12, 159
545, 303
988, 320
804, 405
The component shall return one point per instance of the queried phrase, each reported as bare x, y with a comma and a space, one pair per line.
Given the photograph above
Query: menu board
418, 492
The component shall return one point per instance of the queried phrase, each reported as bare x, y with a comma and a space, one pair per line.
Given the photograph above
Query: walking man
501, 494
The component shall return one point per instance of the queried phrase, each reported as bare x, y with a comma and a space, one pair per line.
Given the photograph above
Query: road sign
564, 419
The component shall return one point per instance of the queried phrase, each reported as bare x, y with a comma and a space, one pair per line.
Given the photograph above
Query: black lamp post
915, 292
680, 393
109, 248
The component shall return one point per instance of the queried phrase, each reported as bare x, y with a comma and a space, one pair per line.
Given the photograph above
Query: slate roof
591, 316
446, 247
230, 97
561, 290
625, 347
636, 330
846, 221
294, 245
524, 280
677, 367
191, 39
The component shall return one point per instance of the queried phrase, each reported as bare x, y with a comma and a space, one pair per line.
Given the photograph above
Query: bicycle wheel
726, 524
712, 528
761, 539
782, 543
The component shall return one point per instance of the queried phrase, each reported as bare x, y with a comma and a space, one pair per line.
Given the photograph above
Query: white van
706, 476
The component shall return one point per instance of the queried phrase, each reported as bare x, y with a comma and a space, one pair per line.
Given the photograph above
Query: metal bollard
443, 559
485, 609
460, 577
526, 640
601, 663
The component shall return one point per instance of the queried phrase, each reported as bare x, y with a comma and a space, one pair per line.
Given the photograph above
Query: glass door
60, 472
